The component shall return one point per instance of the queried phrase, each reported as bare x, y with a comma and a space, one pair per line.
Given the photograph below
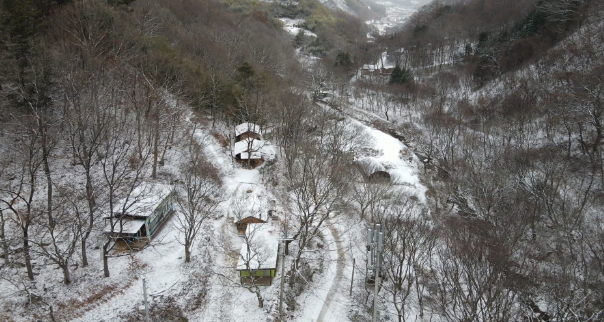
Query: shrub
400, 76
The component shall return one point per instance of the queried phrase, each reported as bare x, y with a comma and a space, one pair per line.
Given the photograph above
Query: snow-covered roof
263, 248
248, 148
247, 219
129, 226
144, 200
371, 165
246, 127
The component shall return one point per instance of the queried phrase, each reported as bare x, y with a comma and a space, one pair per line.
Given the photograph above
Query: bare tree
124, 168
197, 196
409, 242
34, 93
367, 197
19, 195
58, 241
474, 279
88, 120
318, 181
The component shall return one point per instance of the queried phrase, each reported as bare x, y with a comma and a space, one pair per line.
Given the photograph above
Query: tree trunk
91, 205
155, 150
30, 271
260, 299
48, 193
3, 239
84, 258
187, 253
45, 153
66, 277
105, 258
52, 314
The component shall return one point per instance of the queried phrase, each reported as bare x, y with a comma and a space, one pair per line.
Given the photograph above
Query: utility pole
285, 239
282, 279
375, 245
146, 303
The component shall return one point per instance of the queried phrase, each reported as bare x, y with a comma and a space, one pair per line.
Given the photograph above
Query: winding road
335, 286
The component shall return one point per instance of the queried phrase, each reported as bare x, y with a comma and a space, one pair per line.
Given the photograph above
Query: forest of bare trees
94, 94
504, 105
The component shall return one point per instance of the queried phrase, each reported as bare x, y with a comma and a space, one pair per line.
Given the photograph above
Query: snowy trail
221, 301
327, 311
323, 302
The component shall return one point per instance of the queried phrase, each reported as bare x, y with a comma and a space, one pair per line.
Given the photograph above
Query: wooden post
145, 295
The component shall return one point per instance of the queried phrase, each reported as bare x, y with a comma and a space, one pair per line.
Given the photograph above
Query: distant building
257, 262
139, 217
247, 130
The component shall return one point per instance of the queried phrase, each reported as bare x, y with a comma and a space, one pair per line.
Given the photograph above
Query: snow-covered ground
292, 27
398, 159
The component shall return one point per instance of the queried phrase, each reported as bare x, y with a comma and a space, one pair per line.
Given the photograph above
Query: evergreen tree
400, 75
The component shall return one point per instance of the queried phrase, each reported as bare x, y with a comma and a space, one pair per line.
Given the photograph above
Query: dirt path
224, 297
325, 310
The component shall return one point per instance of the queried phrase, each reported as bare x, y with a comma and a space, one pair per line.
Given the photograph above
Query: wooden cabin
247, 152
386, 71
257, 262
247, 130
137, 219
242, 224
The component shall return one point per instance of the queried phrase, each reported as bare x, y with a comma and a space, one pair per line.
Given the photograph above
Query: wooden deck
121, 246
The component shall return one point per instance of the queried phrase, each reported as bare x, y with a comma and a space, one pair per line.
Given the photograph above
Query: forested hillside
503, 100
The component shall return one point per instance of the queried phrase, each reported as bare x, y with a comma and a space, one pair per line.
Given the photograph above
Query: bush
400, 76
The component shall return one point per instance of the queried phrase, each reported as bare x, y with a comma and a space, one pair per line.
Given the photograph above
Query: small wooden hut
242, 224
257, 262
247, 130
138, 218
249, 152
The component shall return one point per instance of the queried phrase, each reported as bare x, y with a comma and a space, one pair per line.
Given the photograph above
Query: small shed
373, 170
248, 151
140, 216
257, 262
386, 71
242, 224
247, 130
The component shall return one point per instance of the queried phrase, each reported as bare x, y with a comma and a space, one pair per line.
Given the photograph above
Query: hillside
503, 101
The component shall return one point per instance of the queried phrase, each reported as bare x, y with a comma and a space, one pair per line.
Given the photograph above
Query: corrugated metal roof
248, 148
246, 127
129, 226
263, 248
